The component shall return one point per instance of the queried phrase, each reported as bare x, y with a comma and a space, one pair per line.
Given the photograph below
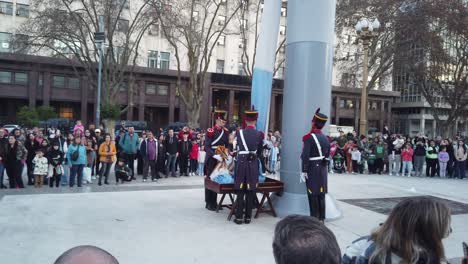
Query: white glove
218, 157
303, 177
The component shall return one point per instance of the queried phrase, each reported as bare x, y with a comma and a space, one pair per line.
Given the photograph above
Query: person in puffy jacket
443, 160
407, 158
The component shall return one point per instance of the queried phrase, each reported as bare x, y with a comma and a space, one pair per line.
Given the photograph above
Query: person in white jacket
41, 168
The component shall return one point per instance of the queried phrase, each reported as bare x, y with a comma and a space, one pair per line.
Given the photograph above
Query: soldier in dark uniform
216, 136
315, 156
249, 145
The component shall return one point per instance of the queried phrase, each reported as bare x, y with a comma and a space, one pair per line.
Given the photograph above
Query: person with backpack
76, 157
129, 144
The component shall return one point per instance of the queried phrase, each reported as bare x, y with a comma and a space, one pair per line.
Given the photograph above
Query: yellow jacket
104, 154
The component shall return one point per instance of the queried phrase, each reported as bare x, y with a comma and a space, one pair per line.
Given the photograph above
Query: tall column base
291, 203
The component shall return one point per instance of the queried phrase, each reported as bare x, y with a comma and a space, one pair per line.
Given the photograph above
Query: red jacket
407, 154
194, 153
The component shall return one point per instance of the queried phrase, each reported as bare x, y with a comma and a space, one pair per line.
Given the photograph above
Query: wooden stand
265, 189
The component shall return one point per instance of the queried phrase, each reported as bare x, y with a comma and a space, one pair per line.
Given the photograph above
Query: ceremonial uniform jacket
215, 136
314, 162
247, 171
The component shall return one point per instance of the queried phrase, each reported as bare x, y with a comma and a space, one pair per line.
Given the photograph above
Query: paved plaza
166, 222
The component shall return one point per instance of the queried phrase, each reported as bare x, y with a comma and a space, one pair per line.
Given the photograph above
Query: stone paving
165, 222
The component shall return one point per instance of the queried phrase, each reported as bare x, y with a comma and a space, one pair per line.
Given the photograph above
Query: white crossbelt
320, 157
246, 151
216, 140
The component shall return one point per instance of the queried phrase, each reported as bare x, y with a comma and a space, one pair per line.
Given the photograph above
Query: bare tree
193, 29
65, 29
382, 49
247, 59
438, 58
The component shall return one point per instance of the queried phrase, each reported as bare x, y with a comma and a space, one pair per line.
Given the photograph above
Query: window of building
22, 10
74, 83
282, 30
21, 78
66, 112
222, 40
221, 20
163, 89
242, 43
5, 77
165, 58
123, 86
6, 8
241, 69
152, 59
347, 104
58, 81
154, 29
125, 3
195, 16
122, 25
283, 12
244, 24
5, 39
220, 66
20, 43
151, 88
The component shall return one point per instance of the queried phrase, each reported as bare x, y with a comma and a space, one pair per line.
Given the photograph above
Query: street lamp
366, 30
99, 38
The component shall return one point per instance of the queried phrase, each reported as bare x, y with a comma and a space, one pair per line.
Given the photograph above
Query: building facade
42, 80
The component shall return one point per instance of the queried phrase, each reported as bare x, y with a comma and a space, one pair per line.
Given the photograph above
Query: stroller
338, 162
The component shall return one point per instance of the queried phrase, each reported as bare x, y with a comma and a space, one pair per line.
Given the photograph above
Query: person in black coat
161, 164
185, 147
55, 158
32, 146
247, 170
172, 151
216, 136
315, 155
3, 154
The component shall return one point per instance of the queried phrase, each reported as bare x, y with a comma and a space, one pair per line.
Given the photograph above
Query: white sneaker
391, 174
398, 174
144, 180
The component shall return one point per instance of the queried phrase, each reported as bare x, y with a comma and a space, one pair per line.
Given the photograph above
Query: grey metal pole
309, 63
98, 101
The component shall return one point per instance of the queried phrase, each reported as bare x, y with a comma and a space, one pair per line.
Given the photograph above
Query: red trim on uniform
250, 127
210, 132
262, 135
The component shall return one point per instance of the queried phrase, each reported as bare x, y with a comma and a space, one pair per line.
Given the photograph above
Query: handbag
87, 174
58, 170
75, 154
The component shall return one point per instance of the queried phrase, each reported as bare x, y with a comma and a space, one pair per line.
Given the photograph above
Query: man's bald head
86, 255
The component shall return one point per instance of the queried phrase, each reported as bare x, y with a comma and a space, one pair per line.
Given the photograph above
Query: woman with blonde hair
412, 234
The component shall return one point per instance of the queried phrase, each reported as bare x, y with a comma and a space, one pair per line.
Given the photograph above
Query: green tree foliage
28, 116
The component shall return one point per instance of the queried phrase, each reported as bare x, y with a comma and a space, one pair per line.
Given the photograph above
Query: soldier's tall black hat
319, 119
251, 115
220, 114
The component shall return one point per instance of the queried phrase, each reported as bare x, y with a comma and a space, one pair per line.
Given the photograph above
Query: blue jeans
273, 165
74, 170
171, 164
407, 166
201, 168
65, 175
460, 169
2, 173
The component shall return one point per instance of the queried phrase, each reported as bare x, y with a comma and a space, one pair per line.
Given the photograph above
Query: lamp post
99, 38
366, 30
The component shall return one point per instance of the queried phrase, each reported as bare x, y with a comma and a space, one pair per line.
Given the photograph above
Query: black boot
247, 220
238, 221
